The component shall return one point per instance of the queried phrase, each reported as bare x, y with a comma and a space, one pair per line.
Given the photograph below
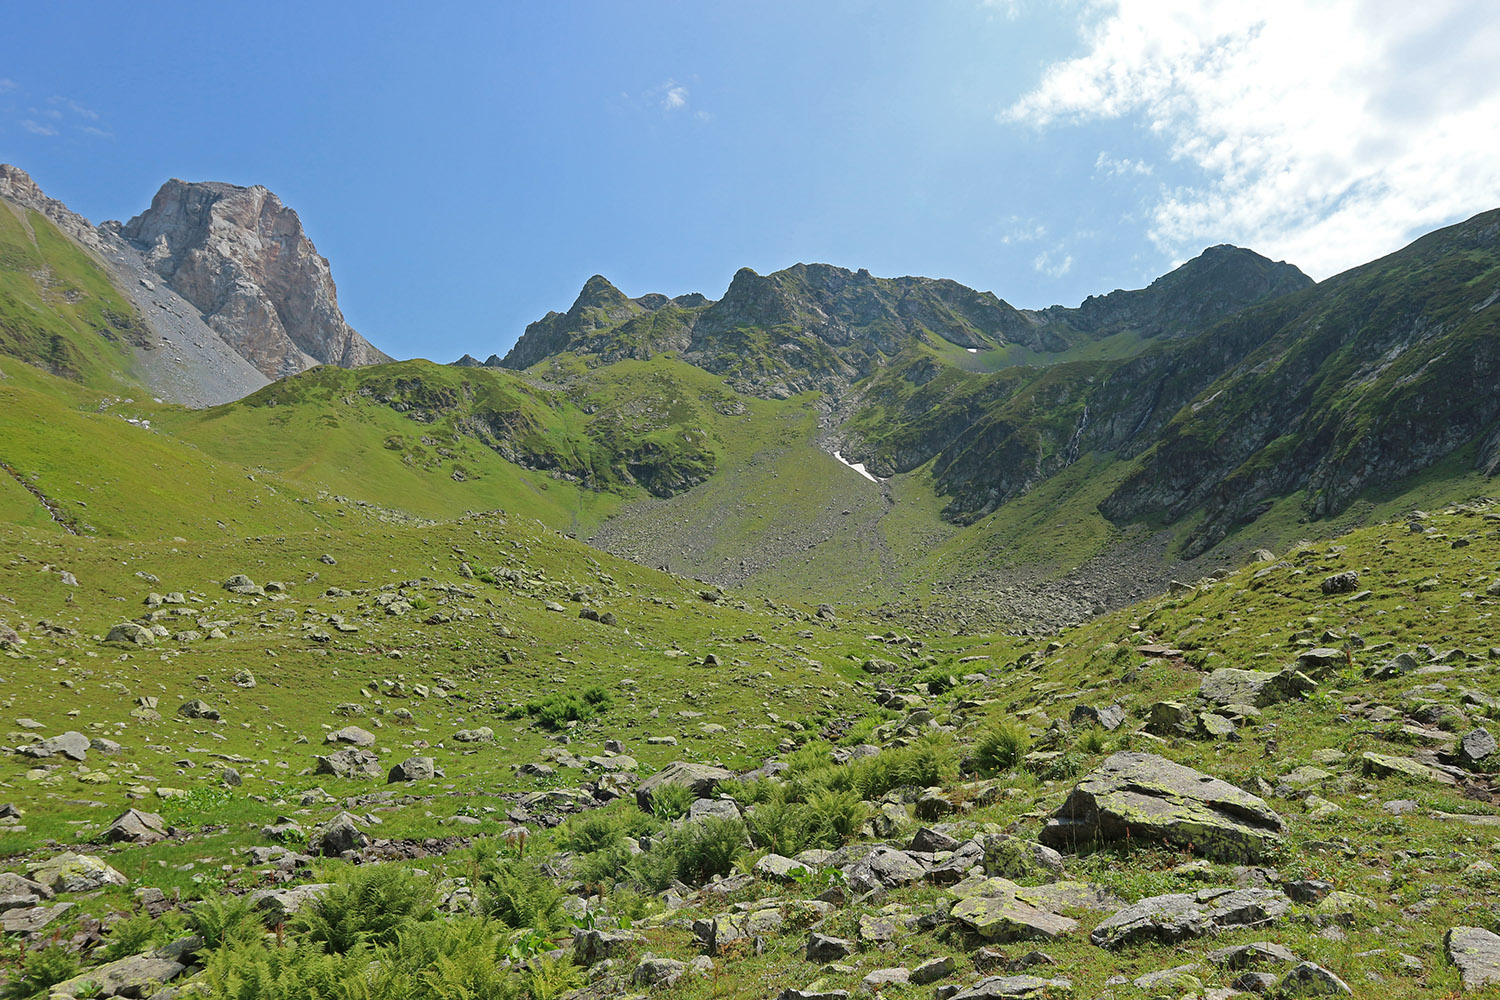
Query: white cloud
674, 96
1326, 134
1054, 264
7, 84
37, 128
1106, 164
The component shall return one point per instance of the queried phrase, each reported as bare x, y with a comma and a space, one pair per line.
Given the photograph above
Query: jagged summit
243, 259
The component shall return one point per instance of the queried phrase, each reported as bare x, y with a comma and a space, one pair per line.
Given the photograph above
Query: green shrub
370, 904
835, 816
668, 802
295, 972
779, 826
593, 831
549, 978
1093, 741
938, 680
133, 935
40, 971
603, 866
708, 848
931, 759
1001, 746
225, 922
516, 892
558, 709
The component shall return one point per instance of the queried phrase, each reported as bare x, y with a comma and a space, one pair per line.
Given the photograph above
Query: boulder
1149, 798
197, 708
1179, 915
1310, 980
1258, 688
1017, 858
413, 769
1248, 956
593, 944
1476, 952
351, 762
131, 633
276, 906
72, 745
823, 948
701, 778
1006, 918
352, 735
136, 976
884, 867
71, 872
1014, 986
136, 827
338, 835
652, 972
1387, 766
1109, 717
1475, 749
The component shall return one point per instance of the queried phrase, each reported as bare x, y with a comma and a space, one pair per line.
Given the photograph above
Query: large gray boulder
131, 633
1476, 952
137, 976
1149, 798
1015, 986
413, 769
72, 745
136, 827
1190, 914
701, 778
276, 906
351, 762
1232, 686
337, 836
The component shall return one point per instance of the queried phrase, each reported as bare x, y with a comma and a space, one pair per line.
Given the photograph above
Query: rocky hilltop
242, 258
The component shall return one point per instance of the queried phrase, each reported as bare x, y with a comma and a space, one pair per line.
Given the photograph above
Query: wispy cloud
1052, 263
1019, 230
55, 116
1116, 167
1324, 134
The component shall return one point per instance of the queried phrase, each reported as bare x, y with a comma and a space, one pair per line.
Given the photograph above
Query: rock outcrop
1149, 798
242, 258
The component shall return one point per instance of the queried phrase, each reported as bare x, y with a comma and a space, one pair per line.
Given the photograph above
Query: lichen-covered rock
1007, 918
1149, 798
413, 769
351, 762
71, 872
1311, 980
131, 633
1476, 953
1014, 986
1179, 915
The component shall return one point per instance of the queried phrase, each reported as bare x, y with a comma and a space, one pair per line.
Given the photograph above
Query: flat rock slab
1006, 918
1476, 952
1190, 914
32, 918
1145, 797
136, 976
1014, 986
1388, 766
71, 872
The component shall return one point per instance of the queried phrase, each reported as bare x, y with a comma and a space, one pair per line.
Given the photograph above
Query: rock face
243, 260
1146, 798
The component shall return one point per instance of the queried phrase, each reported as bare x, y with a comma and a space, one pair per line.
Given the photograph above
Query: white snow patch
973, 350
858, 467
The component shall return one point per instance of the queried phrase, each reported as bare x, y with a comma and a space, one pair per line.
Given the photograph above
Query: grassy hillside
58, 309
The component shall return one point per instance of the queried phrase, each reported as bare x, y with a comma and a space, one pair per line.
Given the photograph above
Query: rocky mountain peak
242, 258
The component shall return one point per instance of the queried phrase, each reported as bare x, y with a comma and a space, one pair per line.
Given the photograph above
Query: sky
465, 167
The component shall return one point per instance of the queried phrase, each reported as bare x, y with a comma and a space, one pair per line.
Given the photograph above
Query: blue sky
465, 167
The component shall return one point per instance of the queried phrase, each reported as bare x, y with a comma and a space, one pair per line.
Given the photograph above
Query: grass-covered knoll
58, 308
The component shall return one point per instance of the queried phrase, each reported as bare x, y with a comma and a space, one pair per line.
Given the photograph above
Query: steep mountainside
814, 326
225, 289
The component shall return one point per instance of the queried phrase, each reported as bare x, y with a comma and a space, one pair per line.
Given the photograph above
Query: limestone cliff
242, 259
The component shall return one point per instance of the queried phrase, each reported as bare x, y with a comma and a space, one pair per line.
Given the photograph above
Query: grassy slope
58, 308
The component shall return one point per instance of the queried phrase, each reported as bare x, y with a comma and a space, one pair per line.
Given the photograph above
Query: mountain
815, 326
221, 285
